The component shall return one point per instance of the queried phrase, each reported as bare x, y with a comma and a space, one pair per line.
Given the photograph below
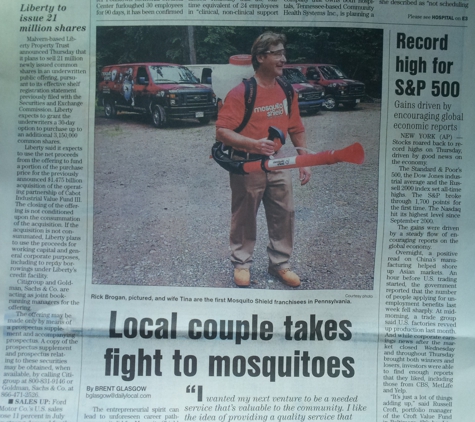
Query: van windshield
332, 72
294, 76
172, 74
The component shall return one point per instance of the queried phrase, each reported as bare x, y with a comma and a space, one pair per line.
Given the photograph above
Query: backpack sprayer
353, 153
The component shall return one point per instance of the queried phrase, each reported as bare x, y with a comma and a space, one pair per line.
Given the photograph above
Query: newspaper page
118, 294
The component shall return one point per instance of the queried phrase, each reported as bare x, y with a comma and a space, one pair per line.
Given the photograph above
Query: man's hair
263, 44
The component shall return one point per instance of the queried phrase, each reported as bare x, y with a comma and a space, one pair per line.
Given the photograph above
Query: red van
311, 97
339, 89
161, 90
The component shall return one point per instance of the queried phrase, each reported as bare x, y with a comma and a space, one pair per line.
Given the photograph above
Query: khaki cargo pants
274, 189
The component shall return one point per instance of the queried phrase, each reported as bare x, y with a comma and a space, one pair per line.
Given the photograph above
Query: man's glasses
277, 53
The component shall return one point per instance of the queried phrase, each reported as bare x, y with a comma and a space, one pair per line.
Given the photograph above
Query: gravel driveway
162, 207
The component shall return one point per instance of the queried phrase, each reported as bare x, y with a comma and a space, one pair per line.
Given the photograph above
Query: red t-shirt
270, 109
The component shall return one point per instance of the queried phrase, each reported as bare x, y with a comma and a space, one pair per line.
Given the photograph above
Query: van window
312, 74
206, 75
332, 72
172, 74
294, 76
142, 77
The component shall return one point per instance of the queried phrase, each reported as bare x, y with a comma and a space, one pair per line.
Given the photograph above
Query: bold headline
300, 364
418, 65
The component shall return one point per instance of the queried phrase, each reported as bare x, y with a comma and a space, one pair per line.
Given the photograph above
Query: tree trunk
191, 44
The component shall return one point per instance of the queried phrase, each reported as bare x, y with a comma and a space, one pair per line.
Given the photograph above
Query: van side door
142, 88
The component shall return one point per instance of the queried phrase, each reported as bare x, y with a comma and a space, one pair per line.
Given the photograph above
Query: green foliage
357, 51
214, 44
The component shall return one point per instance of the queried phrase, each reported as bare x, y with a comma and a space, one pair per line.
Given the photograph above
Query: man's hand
304, 175
300, 141
264, 147
242, 143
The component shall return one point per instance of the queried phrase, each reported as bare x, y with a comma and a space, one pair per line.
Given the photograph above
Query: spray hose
353, 153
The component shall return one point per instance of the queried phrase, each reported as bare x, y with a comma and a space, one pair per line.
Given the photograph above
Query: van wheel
159, 118
204, 120
330, 103
109, 109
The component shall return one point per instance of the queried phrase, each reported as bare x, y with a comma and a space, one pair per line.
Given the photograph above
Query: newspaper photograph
237, 210
181, 187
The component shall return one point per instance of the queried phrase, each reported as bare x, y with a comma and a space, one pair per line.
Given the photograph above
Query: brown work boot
286, 276
242, 277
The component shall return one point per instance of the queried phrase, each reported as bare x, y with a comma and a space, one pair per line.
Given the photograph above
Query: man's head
268, 43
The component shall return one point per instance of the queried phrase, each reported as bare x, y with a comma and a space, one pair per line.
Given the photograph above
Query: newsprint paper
117, 293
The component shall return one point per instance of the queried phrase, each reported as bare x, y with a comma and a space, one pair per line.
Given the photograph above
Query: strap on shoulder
250, 89
289, 92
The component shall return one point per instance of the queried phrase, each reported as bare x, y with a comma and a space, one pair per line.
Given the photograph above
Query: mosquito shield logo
273, 110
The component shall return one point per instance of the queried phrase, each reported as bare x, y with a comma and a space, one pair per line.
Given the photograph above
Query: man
274, 189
